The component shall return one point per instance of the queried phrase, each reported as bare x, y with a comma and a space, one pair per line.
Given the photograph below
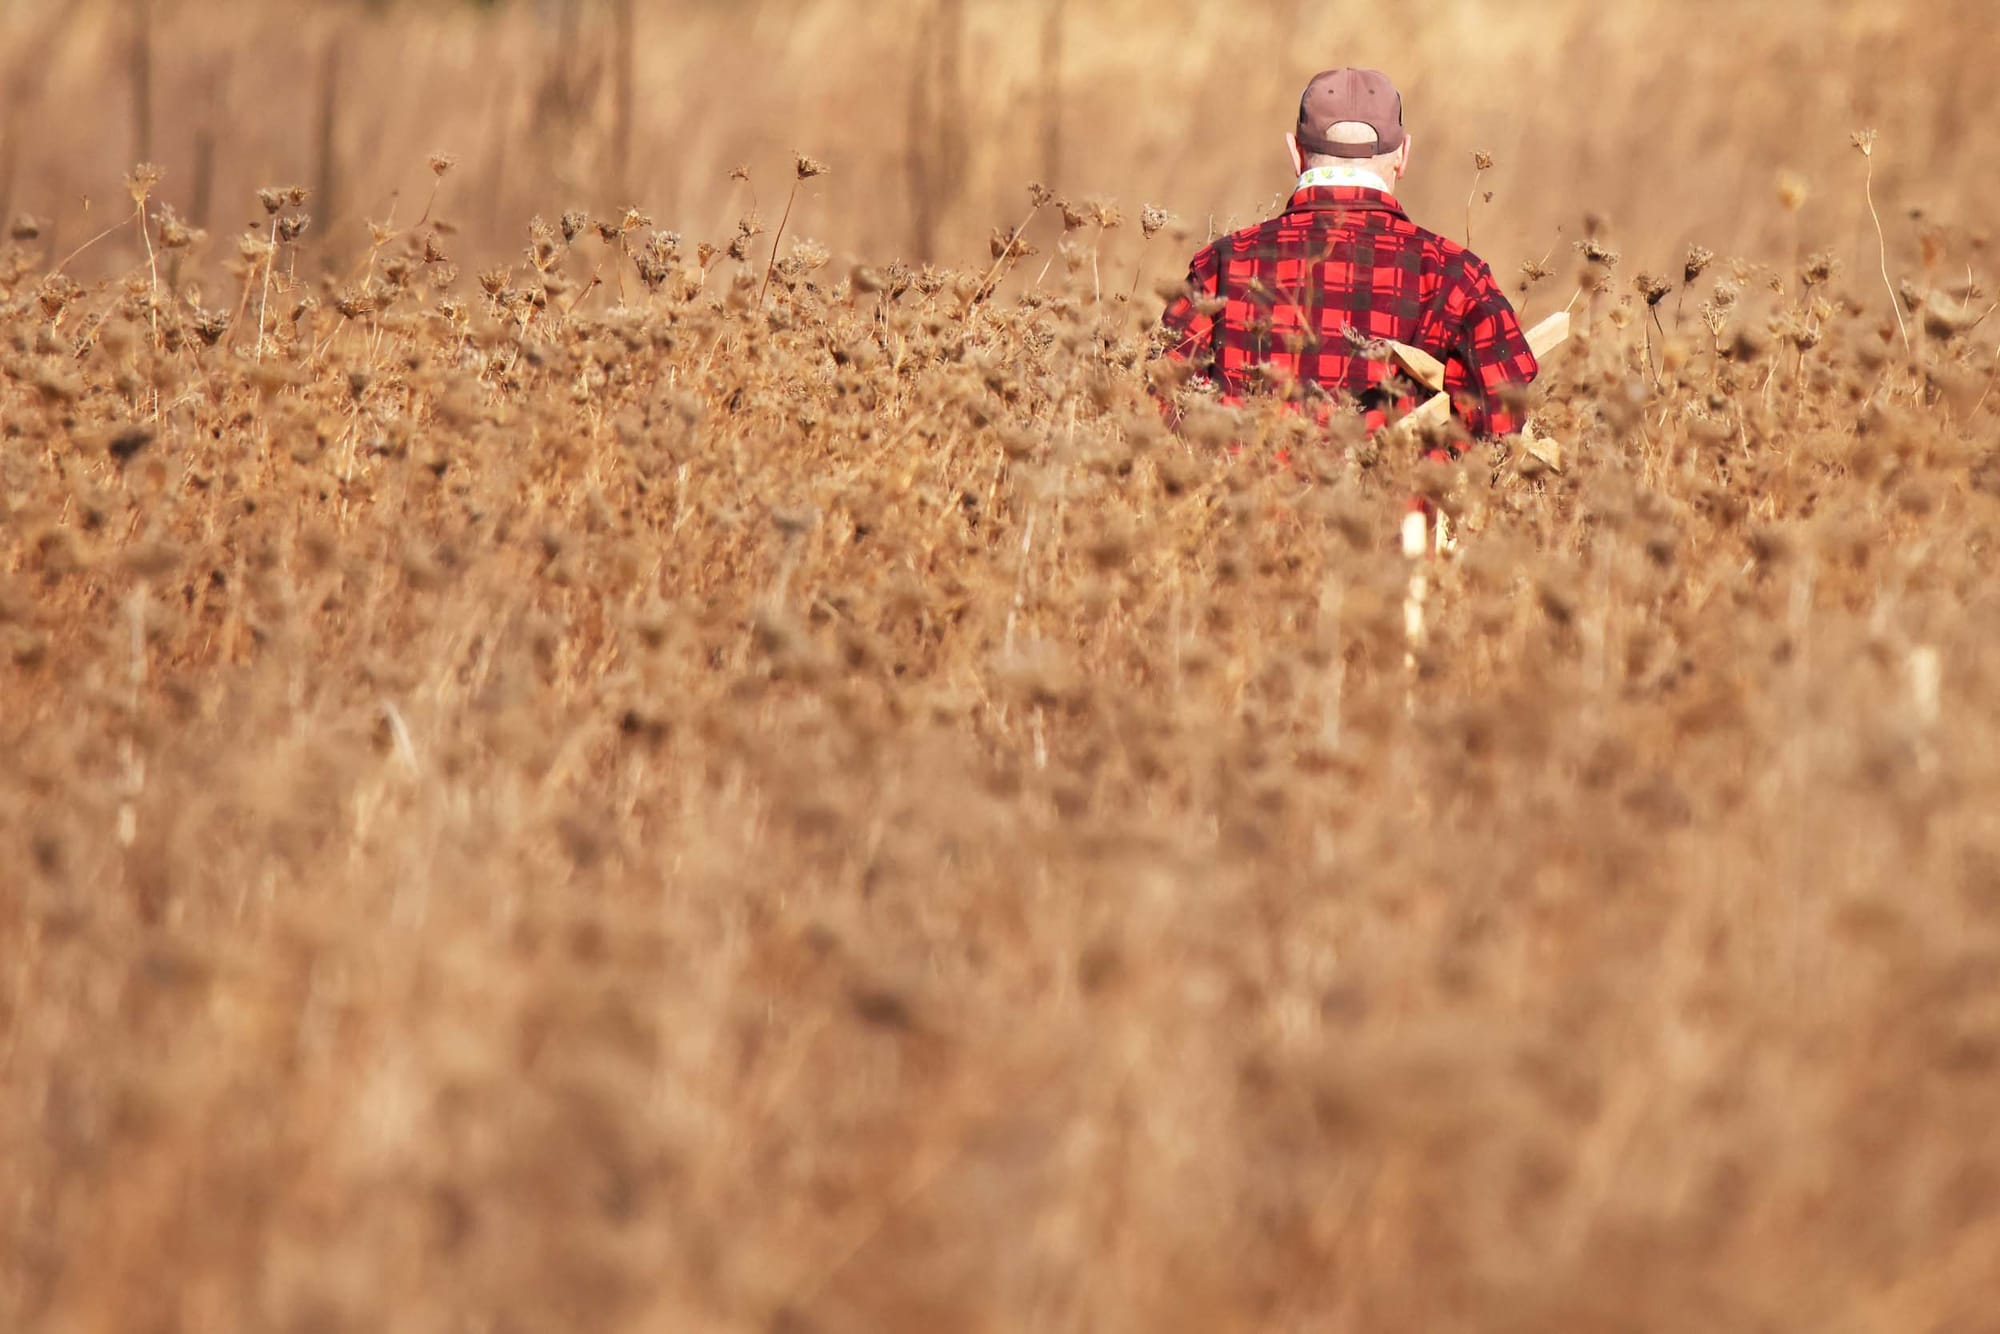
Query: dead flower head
141, 180
175, 234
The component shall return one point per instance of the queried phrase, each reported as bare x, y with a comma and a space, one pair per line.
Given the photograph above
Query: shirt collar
1344, 197
1359, 177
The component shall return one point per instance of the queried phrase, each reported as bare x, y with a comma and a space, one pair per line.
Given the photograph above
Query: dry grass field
637, 773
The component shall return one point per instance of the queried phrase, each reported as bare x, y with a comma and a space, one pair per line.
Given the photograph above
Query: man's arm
1489, 357
1187, 328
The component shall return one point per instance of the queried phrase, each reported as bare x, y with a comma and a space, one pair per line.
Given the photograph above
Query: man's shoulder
1289, 226
1453, 256
1242, 238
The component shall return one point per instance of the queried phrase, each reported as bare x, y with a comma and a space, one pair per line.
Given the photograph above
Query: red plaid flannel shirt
1290, 306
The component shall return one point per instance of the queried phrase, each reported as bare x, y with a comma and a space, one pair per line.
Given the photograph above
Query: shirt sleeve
1187, 332
1489, 357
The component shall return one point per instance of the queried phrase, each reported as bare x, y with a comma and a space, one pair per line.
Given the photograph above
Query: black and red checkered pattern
1291, 305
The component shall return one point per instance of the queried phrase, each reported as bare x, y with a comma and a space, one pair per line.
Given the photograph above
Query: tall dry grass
585, 793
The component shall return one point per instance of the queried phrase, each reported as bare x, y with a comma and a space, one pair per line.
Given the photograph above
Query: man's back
1296, 305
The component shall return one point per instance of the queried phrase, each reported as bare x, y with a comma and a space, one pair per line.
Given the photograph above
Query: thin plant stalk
152, 269
986, 284
1865, 141
65, 262
263, 302
772, 262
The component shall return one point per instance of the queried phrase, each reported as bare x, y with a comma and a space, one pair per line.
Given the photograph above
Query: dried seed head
543, 248
1596, 252
355, 302
654, 260
808, 255
740, 174
293, 227
272, 198
174, 233
573, 223
140, 181
25, 227
1863, 140
810, 167
442, 163
1533, 271
1482, 161
1698, 260
1009, 245
1152, 218
1653, 290
210, 325
1040, 195
1819, 268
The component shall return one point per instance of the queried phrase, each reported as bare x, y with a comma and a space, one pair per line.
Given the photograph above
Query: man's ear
1298, 158
1403, 158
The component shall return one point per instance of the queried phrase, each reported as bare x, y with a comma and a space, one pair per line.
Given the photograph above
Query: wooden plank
1551, 332
1427, 368
1544, 338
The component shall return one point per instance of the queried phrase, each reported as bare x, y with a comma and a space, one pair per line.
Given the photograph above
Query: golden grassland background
666, 805
1669, 122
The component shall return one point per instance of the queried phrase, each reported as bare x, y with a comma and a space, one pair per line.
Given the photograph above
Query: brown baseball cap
1363, 95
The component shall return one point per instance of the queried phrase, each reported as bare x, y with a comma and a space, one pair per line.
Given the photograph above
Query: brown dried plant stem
64, 263
989, 283
153, 275
1866, 143
776, 237
264, 301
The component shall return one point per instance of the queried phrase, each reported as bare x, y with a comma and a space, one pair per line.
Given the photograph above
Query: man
1300, 305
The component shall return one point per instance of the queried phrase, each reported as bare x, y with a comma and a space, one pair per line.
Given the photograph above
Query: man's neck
1365, 178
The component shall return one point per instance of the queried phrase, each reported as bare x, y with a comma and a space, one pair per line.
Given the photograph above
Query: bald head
1389, 166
